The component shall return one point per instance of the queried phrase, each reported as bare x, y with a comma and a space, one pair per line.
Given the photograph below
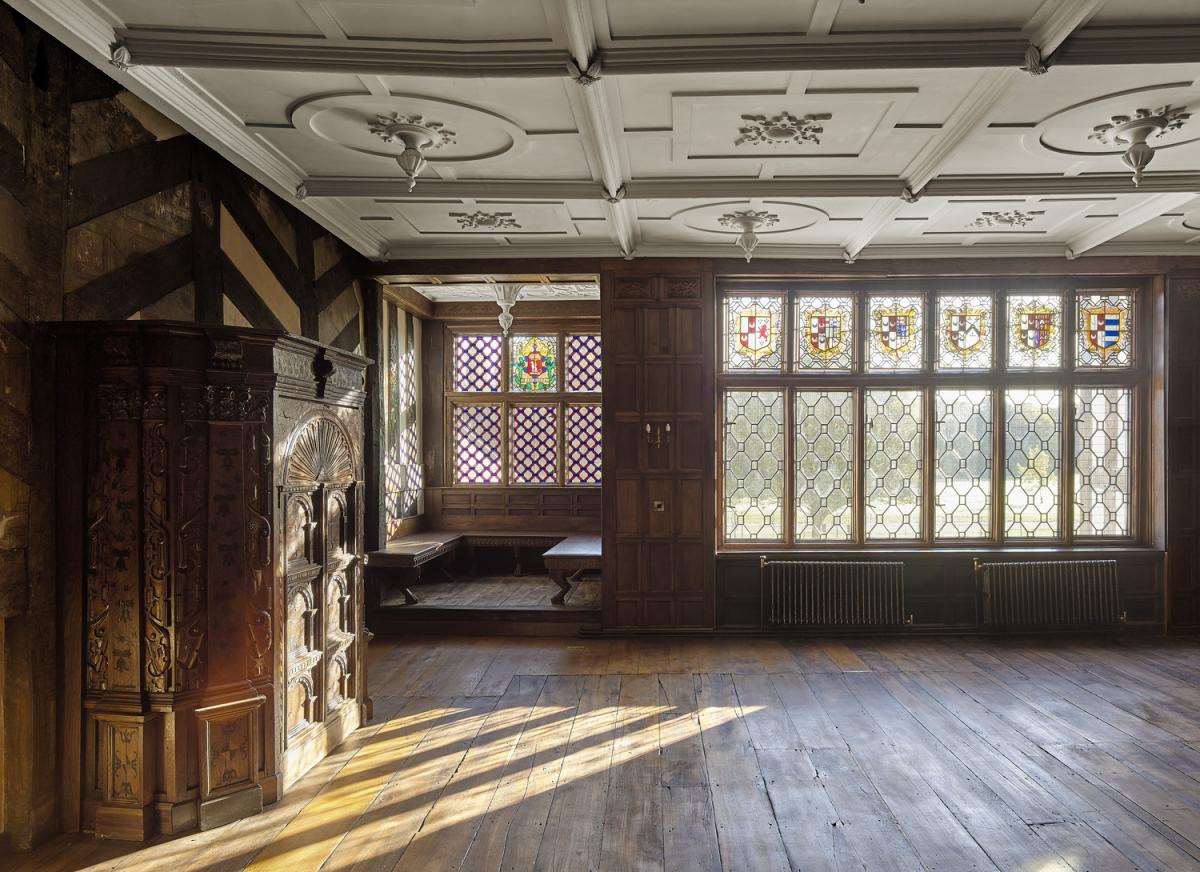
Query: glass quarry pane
892, 449
824, 474
962, 475
1033, 428
754, 475
1103, 455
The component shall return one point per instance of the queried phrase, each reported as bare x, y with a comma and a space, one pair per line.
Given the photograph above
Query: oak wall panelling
1183, 449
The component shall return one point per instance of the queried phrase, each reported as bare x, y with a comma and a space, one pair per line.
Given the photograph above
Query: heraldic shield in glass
896, 334
824, 332
534, 363
752, 333
1034, 331
965, 332
1105, 331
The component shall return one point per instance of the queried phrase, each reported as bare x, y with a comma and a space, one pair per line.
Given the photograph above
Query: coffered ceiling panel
257, 16
440, 20
822, 128
622, 19
933, 15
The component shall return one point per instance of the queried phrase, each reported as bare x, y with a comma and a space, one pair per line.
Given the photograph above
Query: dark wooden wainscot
940, 590
210, 529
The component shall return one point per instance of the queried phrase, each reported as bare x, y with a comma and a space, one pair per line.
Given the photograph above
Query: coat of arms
756, 333
965, 329
825, 333
895, 329
533, 365
1104, 329
1035, 328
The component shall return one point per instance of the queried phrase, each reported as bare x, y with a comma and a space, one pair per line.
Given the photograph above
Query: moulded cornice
935, 50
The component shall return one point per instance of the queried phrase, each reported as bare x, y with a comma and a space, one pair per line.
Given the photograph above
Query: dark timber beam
1099, 46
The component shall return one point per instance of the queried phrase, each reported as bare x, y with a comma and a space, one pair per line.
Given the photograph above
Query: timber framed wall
110, 211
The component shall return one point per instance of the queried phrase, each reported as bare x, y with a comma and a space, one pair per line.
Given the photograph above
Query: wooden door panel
660, 499
658, 564
657, 327
629, 507
689, 332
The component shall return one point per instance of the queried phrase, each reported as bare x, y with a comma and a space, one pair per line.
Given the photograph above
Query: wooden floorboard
703, 755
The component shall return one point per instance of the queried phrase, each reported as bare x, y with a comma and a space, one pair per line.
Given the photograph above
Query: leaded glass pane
533, 444
824, 332
754, 453
1033, 424
476, 444
583, 363
753, 328
962, 476
964, 326
892, 448
896, 332
1035, 331
1104, 330
477, 363
534, 363
824, 465
1103, 450
583, 444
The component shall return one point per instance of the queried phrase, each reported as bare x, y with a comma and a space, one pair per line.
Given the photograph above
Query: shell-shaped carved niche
321, 452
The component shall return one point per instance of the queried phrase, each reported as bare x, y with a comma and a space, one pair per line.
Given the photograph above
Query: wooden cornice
1102, 46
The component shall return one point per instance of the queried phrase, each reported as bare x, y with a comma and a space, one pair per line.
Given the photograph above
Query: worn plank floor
736, 754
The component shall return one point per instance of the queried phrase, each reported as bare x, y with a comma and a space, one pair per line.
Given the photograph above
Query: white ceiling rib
617, 127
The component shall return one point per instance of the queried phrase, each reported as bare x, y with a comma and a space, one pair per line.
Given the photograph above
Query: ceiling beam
390, 188
1135, 216
1159, 44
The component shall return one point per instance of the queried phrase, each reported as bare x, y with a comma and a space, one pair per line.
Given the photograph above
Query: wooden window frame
1066, 378
506, 398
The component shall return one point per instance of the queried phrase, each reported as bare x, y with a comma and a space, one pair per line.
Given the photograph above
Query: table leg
558, 576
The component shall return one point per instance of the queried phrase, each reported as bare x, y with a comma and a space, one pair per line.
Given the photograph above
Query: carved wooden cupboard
210, 585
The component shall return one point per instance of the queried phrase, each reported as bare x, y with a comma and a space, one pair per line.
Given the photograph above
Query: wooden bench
573, 554
413, 552
567, 553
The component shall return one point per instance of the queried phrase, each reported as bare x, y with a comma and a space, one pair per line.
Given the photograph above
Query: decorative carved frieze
681, 288
234, 403
225, 354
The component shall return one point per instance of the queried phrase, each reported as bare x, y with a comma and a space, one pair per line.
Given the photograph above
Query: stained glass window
1033, 448
534, 363
754, 454
1103, 422
896, 333
964, 325
824, 332
1035, 331
583, 444
477, 363
753, 328
583, 362
533, 444
477, 444
824, 465
1104, 330
892, 448
962, 474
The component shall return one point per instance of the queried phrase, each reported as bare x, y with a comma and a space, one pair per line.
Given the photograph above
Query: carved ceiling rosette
782, 128
1014, 218
486, 220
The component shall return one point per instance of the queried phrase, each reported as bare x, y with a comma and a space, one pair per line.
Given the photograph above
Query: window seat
566, 553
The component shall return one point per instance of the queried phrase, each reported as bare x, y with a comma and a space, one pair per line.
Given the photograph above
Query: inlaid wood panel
658, 412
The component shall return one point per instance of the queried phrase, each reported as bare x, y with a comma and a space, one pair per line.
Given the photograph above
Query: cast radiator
1049, 593
809, 593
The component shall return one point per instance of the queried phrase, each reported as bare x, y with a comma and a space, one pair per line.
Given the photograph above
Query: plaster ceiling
607, 127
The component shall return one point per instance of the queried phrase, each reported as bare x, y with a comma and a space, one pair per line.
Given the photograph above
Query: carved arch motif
321, 451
